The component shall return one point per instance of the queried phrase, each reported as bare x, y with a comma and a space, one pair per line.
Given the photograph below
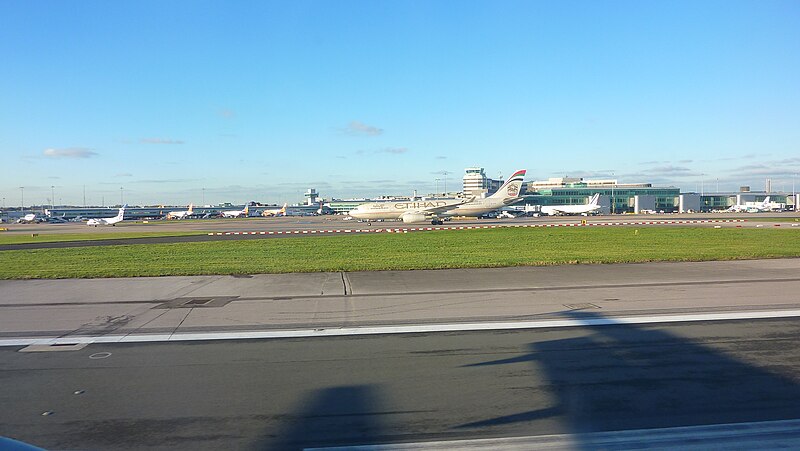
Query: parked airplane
751, 207
586, 209
108, 221
237, 213
180, 214
434, 210
28, 219
275, 212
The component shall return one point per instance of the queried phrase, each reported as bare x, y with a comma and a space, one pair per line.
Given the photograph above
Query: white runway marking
399, 329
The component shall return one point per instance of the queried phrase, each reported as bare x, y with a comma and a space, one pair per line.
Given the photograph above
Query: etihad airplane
237, 213
751, 207
434, 210
180, 214
586, 209
275, 212
108, 221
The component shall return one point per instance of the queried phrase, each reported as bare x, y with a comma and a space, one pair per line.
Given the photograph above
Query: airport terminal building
614, 198
620, 198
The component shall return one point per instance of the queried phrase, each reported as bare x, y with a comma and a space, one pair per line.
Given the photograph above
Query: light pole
53, 196
121, 198
22, 201
204, 196
613, 185
702, 184
437, 185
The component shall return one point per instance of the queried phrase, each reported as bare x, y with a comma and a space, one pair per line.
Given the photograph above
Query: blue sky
183, 100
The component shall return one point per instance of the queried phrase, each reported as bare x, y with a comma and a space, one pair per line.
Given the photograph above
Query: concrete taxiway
259, 228
595, 363
91, 307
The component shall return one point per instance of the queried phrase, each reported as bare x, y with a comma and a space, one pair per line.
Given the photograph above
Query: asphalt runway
609, 370
260, 228
293, 394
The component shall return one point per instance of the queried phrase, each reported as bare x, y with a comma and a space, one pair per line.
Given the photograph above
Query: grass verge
420, 250
59, 237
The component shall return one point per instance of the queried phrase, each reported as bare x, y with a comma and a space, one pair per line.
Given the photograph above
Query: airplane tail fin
247, 210
283, 209
190, 208
766, 201
512, 188
121, 213
594, 199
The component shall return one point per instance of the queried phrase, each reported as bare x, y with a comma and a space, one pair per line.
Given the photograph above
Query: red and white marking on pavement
494, 226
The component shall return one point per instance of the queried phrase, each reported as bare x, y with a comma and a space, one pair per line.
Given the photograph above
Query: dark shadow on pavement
335, 416
622, 376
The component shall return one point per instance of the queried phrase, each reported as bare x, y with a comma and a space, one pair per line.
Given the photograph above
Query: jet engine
413, 217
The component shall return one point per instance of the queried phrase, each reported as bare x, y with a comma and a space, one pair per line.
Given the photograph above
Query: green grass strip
419, 250
58, 237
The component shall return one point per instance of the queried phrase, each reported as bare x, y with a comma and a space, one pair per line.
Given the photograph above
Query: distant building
311, 196
477, 184
615, 197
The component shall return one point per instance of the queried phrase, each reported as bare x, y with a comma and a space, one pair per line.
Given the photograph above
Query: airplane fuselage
570, 209
395, 210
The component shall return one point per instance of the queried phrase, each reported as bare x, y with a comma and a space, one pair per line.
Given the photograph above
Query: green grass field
57, 237
420, 250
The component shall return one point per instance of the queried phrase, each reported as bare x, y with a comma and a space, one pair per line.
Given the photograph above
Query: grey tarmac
362, 390
284, 227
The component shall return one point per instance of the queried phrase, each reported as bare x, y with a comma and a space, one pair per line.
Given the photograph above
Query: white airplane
237, 213
180, 214
504, 214
28, 219
108, 221
585, 209
751, 207
275, 212
434, 210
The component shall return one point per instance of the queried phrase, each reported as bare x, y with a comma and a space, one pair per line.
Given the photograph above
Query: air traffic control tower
311, 196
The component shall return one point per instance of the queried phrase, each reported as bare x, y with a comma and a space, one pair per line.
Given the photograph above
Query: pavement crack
180, 324
348, 289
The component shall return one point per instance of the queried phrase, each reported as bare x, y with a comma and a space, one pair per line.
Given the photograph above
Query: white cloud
394, 150
358, 128
70, 152
672, 170
764, 170
161, 141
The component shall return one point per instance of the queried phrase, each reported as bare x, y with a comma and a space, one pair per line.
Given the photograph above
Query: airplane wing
443, 208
